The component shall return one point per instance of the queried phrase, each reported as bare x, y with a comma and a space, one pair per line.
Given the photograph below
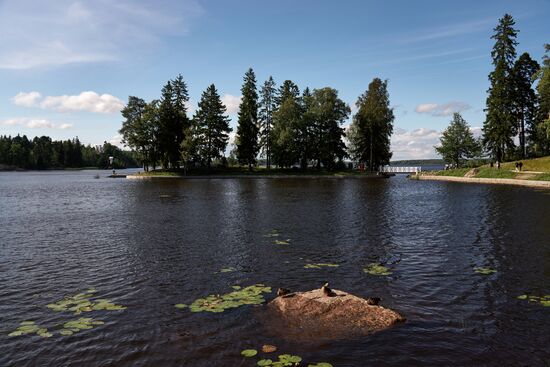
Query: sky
67, 67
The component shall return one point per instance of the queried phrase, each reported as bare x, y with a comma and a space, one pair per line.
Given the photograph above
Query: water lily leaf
484, 271
249, 353
23, 323
377, 269
320, 265
523, 296
321, 364
236, 287
545, 303
265, 362
65, 332
16, 333
180, 305
227, 270
268, 348
282, 242
250, 295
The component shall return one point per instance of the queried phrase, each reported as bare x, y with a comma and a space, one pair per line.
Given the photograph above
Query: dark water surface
150, 245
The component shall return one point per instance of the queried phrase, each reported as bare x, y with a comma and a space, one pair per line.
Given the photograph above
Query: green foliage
29, 327
246, 138
484, 271
377, 269
500, 123
320, 265
249, 353
211, 126
268, 105
286, 123
82, 302
457, 172
485, 172
372, 126
542, 300
457, 142
251, 295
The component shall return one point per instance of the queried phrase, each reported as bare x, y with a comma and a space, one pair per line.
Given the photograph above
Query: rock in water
314, 316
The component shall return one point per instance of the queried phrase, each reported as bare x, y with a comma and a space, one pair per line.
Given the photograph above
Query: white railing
396, 169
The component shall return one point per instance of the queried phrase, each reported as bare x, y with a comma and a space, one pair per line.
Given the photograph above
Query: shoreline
491, 181
194, 177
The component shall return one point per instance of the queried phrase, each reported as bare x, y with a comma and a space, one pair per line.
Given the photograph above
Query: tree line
285, 126
517, 106
44, 153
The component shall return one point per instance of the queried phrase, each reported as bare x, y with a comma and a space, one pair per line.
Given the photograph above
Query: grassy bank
533, 169
243, 171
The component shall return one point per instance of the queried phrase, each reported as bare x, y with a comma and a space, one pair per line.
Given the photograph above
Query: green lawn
486, 172
542, 177
457, 172
537, 164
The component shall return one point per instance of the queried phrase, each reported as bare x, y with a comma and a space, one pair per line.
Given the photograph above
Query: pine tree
268, 104
525, 99
246, 138
211, 126
500, 124
372, 126
457, 142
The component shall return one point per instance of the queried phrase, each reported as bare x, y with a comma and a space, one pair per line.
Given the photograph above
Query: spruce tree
372, 126
525, 99
500, 123
457, 142
211, 126
247, 127
268, 104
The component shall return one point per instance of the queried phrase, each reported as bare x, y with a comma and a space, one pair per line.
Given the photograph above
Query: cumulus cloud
116, 140
86, 101
445, 109
414, 144
33, 123
53, 33
232, 103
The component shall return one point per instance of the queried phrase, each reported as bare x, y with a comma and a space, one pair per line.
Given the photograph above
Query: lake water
150, 245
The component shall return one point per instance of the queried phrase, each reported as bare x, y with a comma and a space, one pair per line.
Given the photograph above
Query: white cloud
86, 101
414, 144
26, 99
445, 109
54, 33
232, 103
116, 140
33, 123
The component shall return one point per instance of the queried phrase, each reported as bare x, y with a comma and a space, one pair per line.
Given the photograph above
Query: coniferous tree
372, 126
286, 119
500, 123
525, 99
246, 138
211, 126
457, 142
541, 134
268, 105
328, 113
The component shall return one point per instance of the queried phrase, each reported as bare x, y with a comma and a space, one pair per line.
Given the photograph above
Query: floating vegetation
282, 242
376, 269
484, 271
29, 327
180, 305
320, 265
543, 300
251, 295
249, 353
227, 270
268, 348
83, 323
81, 303
284, 360
273, 233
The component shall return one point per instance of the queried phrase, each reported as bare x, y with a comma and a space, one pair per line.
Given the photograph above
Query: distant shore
253, 176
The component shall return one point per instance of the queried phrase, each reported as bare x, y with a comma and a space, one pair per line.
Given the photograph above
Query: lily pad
249, 353
227, 270
265, 362
484, 271
321, 364
251, 295
523, 296
377, 269
542, 300
282, 242
81, 302
289, 360
320, 265
66, 332
29, 327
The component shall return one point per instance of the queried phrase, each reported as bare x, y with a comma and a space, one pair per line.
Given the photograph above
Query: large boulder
313, 315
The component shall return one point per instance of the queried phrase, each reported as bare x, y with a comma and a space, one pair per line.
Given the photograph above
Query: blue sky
67, 66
